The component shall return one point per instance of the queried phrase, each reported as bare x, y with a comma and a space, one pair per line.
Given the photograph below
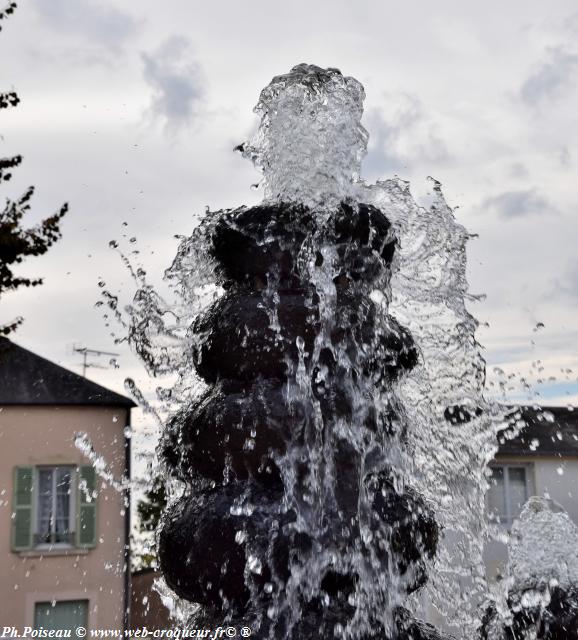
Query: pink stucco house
64, 532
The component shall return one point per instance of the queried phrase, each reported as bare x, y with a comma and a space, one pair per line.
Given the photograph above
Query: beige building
64, 551
538, 459
542, 460
147, 609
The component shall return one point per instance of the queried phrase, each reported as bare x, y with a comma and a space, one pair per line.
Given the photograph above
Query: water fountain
295, 517
540, 599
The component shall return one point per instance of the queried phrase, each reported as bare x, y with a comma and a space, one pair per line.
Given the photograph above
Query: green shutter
22, 508
86, 521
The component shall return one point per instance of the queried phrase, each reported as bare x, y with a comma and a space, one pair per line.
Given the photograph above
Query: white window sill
53, 551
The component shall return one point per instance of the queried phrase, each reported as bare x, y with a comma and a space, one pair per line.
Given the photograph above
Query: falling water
538, 598
325, 407
452, 428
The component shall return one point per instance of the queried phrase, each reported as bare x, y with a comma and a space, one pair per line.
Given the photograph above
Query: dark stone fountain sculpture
558, 620
296, 521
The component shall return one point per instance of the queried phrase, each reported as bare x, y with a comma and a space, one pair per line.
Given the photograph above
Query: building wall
45, 435
545, 480
147, 608
562, 488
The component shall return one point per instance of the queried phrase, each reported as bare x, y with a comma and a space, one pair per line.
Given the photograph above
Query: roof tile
29, 379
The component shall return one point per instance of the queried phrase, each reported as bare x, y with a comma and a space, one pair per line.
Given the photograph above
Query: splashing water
369, 393
544, 547
452, 428
84, 444
539, 596
310, 143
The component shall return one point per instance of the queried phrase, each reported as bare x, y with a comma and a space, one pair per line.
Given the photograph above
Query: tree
149, 508
17, 242
152, 506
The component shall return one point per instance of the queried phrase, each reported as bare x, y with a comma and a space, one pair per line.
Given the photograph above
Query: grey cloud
565, 157
383, 154
558, 72
391, 135
95, 21
518, 170
567, 284
517, 204
176, 82
571, 23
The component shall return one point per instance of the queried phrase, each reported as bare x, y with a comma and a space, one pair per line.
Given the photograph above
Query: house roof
28, 379
545, 431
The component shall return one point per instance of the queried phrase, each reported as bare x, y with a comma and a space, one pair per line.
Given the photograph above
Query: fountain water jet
295, 518
540, 593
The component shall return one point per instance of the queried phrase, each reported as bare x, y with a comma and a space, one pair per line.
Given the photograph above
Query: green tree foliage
16, 241
149, 508
154, 502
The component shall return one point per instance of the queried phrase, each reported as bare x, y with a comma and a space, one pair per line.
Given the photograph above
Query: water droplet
254, 565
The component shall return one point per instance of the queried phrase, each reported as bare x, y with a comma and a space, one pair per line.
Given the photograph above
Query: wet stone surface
295, 521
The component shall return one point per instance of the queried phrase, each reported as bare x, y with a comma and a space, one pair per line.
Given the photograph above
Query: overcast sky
130, 111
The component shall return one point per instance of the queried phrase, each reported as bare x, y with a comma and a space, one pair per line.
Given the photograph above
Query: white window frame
71, 508
529, 485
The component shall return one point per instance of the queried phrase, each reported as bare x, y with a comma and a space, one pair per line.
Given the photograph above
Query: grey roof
28, 379
546, 431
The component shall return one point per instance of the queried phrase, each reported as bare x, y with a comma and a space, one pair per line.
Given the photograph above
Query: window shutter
86, 521
22, 508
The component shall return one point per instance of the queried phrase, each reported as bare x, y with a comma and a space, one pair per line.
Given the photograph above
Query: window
55, 513
61, 615
54, 506
509, 490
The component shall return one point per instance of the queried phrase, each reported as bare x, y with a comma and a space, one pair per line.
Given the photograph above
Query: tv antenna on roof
86, 352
